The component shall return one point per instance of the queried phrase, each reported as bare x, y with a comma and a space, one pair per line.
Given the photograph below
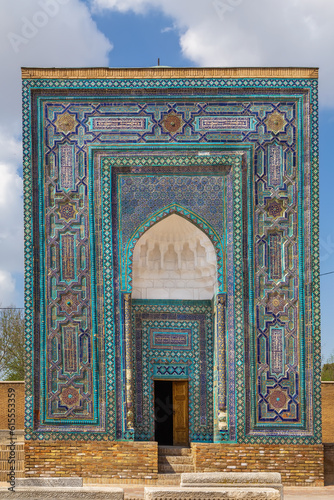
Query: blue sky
154, 37
127, 33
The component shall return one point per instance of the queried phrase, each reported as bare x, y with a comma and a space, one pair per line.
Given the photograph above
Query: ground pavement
136, 492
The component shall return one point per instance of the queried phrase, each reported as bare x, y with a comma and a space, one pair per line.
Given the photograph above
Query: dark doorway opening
163, 412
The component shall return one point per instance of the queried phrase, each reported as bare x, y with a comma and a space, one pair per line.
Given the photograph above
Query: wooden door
180, 413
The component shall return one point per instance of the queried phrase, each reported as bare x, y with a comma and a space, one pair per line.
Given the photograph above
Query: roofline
166, 72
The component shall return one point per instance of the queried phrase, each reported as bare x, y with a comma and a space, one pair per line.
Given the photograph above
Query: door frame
171, 379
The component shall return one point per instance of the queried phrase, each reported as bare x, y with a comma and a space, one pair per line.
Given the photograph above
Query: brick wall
327, 402
131, 462
19, 404
5, 451
329, 464
137, 461
92, 459
300, 465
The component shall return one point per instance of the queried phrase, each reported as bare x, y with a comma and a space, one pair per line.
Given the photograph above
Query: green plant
12, 344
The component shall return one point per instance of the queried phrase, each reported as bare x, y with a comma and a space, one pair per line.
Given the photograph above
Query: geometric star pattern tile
227, 155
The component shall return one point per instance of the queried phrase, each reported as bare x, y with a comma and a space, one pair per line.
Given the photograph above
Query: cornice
166, 72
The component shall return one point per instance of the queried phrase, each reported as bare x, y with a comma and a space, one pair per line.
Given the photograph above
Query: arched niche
174, 259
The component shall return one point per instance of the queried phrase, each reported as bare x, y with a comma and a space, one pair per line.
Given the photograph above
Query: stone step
174, 450
64, 493
175, 459
171, 478
172, 492
48, 482
170, 468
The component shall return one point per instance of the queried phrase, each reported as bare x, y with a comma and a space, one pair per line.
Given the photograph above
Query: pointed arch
192, 217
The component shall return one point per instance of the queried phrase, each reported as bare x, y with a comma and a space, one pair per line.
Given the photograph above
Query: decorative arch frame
231, 162
191, 217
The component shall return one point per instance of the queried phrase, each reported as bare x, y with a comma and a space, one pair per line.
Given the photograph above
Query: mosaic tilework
196, 317
174, 370
68, 369
174, 165
169, 337
276, 211
141, 196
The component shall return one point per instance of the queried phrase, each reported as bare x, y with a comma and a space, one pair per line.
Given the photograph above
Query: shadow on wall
329, 463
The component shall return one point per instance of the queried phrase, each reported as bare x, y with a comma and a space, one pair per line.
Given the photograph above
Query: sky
135, 33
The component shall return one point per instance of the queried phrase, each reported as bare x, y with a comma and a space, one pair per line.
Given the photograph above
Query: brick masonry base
329, 463
300, 465
126, 461
7, 463
92, 459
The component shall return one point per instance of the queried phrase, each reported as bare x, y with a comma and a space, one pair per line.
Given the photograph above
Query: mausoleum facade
171, 269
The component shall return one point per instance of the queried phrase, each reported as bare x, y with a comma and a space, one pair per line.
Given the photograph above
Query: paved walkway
134, 492
295, 493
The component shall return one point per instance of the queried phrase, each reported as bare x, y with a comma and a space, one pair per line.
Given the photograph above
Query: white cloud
250, 32
44, 33
11, 216
32, 37
7, 289
11, 220
168, 29
138, 6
